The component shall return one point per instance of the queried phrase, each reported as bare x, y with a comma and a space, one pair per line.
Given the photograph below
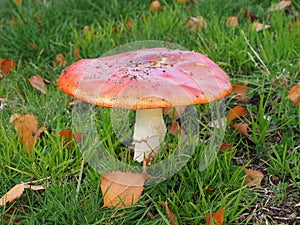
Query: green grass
191, 193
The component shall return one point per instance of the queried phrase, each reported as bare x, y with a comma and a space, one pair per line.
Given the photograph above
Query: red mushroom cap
145, 79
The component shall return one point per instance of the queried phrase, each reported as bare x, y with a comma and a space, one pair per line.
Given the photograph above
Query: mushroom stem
149, 131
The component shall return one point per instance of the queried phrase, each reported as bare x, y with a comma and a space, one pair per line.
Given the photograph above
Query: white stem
149, 131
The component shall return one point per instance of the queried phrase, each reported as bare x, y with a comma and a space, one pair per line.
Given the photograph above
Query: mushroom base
149, 131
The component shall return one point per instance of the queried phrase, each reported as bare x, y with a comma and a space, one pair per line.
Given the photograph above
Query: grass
47, 28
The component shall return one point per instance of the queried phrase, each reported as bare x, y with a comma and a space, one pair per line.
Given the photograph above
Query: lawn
43, 37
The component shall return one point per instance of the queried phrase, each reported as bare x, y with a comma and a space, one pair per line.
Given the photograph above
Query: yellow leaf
122, 188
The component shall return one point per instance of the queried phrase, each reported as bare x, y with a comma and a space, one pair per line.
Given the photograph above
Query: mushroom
146, 80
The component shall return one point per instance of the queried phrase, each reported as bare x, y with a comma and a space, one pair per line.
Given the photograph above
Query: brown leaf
170, 214
40, 132
7, 65
12, 194
128, 24
196, 24
122, 188
26, 125
240, 90
232, 21
236, 112
17, 191
242, 128
68, 135
281, 5
60, 60
218, 217
155, 5
38, 83
174, 128
250, 16
294, 94
225, 147
76, 53
253, 177
259, 26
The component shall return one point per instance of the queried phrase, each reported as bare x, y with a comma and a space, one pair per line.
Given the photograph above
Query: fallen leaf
295, 26
232, 21
242, 128
236, 112
155, 5
38, 83
38, 19
6, 66
181, 1
15, 20
240, 90
76, 53
217, 217
122, 188
86, 29
170, 214
250, 16
26, 125
128, 24
259, 26
33, 46
17, 2
12, 194
196, 24
27, 120
17, 191
68, 135
294, 94
225, 147
40, 132
253, 177
174, 128
60, 59
280, 5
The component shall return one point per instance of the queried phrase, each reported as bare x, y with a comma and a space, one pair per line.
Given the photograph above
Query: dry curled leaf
170, 214
280, 5
250, 16
259, 26
240, 90
122, 188
196, 24
217, 217
17, 191
236, 112
232, 21
294, 94
38, 83
253, 177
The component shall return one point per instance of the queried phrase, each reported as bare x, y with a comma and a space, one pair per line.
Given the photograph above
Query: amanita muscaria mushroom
147, 81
